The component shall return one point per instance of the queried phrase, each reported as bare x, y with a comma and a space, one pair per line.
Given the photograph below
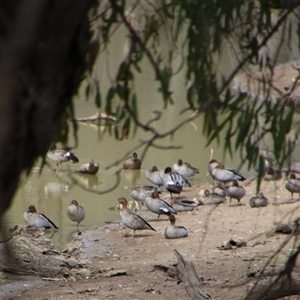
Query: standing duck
211, 166
132, 162
223, 174
184, 169
259, 201
75, 213
158, 206
293, 184
174, 182
174, 231
272, 174
32, 217
132, 220
60, 155
236, 191
268, 155
89, 168
155, 176
141, 192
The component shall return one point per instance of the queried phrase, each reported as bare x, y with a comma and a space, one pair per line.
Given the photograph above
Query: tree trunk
187, 274
43, 46
27, 252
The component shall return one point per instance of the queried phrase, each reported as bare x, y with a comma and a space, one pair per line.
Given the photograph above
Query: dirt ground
137, 267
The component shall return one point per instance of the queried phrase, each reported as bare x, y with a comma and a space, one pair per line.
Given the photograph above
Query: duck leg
78, 231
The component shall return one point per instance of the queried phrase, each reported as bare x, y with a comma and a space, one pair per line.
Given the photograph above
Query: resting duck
75, 213
132, 163
174, 231
211, 198
132, 220
223, 174
155, 176
259, 201
158, 206
185, 204
184, 169
141, 192
60, 155
174, 182
235, 191
32, 217
89, 168
220, 189
293, 185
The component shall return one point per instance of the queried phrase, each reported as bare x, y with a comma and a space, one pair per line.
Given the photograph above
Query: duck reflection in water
132, 176
87, 181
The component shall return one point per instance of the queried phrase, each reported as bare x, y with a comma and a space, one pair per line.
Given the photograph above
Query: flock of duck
172, 179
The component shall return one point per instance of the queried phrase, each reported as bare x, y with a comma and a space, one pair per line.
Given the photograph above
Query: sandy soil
125, 267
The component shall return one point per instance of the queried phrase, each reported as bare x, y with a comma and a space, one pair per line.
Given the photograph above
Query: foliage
200, 31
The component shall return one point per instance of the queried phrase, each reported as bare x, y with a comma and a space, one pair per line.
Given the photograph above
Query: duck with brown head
132, 220
132, 162
184, 169
155, 176
236, 191
140, 193
175, 231
223, 174
76, 213
259, 201
293, 185
158, 206
32, 217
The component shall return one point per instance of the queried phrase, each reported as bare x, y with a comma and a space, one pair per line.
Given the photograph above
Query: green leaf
98, 96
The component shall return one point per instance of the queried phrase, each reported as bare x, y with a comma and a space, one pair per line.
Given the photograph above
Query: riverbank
123, 267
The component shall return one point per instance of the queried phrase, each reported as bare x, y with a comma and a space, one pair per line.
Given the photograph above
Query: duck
211, 166
132, 162
259, 201
155, 176
219, 189
174, 182
60, 155
273, 175
293, 185
268, 155
141, 192
89, 168
211, 198
158, 206
220, 173
265, 164
235, 191
32, 217
131, 219
174, 231
185, 169
185, 204
75, 213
